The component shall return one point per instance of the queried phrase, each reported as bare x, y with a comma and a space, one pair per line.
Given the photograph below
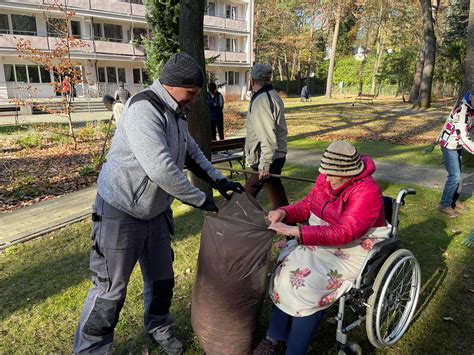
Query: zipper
140, 190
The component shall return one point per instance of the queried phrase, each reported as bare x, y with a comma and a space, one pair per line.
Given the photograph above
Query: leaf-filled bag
230, 282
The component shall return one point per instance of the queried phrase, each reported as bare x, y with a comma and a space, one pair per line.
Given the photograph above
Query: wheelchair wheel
392, 305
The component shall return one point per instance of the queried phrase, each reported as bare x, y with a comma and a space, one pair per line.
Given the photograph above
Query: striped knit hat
341, 159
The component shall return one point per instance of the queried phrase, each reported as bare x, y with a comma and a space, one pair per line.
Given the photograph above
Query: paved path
33, 221
77, 117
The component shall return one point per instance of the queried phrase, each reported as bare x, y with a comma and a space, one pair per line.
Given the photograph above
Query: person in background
345, 216
132, 216
121, 94
453, 139
305, 94
215, 100
114, 106
266, 137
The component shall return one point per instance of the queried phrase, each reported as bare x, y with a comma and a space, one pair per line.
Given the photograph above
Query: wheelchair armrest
378, 255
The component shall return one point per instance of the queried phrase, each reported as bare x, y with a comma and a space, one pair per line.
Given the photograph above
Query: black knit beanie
182, 70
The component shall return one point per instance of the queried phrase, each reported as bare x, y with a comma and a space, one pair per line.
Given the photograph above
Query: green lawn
384, 151
44, 282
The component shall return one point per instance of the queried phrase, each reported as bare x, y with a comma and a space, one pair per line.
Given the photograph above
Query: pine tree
163, 19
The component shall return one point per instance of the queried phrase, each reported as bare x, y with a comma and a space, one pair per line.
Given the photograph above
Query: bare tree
58, 60
332, 55
424, 100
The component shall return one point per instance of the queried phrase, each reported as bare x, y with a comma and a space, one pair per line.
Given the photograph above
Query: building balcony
226, 56
8, 44
222, 22
118, 7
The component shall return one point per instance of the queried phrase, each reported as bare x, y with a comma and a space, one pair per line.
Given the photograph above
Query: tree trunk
375, 69
415, 89
468, 84
430, 55
280, 70
191, 41
332, 58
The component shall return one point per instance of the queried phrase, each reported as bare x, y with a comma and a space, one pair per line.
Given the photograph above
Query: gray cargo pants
119, 240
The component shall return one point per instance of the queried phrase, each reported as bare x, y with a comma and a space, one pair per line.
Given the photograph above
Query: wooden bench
365, 97
10, 110
228, 150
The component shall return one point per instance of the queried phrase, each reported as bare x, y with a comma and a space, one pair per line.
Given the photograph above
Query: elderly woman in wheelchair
324, 261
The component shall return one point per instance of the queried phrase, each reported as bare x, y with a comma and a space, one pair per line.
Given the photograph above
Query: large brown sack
231, 276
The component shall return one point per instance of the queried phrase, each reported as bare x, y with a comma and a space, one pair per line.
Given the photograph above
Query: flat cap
261, 72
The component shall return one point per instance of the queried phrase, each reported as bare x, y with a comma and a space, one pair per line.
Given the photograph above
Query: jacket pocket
140, 190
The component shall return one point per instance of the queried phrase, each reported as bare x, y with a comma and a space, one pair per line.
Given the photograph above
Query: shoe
171, 345
461, 206
449, 211
266, 347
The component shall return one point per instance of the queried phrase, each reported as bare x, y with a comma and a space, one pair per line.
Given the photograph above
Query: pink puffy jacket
351, 210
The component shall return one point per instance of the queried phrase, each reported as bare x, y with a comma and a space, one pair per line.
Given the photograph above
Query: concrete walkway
77, 117
44, 217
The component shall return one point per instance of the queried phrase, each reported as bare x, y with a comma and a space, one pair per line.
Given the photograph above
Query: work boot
449, 211
461, 206
266, 347
171, 345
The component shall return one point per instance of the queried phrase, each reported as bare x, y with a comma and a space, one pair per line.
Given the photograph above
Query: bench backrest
227, 144
9, 109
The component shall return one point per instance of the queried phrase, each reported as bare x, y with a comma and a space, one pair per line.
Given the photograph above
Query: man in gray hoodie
132, 217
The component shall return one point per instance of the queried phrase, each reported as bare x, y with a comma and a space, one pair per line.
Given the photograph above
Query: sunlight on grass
44, 282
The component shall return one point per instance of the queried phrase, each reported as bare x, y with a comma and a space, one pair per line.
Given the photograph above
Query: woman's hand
285, 229
276, 216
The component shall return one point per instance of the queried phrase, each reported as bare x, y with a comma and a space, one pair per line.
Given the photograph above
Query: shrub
32, 140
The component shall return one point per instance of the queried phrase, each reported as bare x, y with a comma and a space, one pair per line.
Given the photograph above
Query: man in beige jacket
266, 137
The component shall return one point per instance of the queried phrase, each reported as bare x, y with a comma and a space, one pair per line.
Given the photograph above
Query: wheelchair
385, 293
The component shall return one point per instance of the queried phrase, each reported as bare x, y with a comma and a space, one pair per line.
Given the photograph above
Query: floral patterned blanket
311, 278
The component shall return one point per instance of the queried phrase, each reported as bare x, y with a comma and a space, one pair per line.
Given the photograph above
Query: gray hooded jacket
144, 169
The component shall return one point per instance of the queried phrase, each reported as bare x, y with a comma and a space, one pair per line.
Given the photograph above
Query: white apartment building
110, 29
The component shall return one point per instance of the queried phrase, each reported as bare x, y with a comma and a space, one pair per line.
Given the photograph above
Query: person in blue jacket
215, 100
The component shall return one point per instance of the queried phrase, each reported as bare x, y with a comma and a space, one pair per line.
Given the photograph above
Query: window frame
26, 32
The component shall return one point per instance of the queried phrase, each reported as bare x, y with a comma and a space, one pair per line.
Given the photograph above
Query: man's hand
209, 205
276, 216
224, 185
263, 174
284, 229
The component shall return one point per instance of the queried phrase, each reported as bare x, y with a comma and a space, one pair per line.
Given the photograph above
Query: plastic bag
231, 276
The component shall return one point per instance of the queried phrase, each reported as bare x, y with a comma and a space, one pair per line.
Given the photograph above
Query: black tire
393, 302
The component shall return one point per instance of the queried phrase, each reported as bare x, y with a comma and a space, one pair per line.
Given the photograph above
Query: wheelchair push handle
403, 192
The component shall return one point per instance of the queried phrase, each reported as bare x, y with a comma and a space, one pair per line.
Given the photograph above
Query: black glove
225, 185
209, 205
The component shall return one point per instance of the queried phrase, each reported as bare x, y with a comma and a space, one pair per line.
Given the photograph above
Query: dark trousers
217, 125
119, 241
273, 186
296, 332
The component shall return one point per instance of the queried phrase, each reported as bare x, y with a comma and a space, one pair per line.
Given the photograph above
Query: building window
113, 32
137, 34
76, 29
136, 76
232, 78
145, 76
231, 45
111, 75
101, 75
9, 72
45, 75
33, 74
121, 75
24, 25
231, 12
139, 2
20, 71
54, 27
210, 8
98, 34
4, 28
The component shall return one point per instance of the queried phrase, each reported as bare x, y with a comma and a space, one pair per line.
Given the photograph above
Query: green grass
380, 150
43, 284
